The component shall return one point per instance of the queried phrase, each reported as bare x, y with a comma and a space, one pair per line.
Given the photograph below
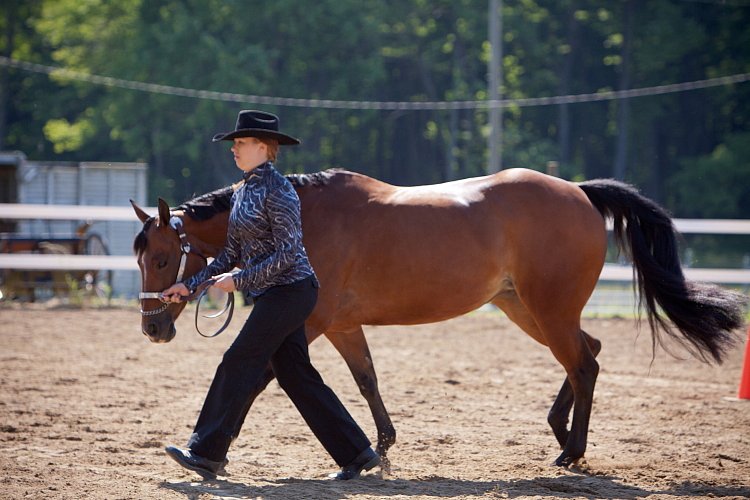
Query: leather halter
185, 248
200, 291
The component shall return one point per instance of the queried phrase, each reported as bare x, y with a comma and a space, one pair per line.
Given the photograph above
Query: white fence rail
47, 262
30, 262
611, 272
68, 212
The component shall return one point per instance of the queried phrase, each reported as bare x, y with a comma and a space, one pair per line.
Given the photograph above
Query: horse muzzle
158, 332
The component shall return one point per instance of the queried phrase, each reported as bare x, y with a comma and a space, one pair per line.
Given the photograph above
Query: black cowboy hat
251, 123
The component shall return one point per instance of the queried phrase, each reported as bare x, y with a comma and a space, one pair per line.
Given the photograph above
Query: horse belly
430, 277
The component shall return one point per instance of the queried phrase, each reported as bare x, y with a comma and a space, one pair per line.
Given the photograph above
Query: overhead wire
606, 95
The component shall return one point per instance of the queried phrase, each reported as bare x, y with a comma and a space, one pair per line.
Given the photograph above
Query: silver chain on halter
176, 224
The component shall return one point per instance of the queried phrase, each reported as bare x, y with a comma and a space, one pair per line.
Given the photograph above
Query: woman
265, 240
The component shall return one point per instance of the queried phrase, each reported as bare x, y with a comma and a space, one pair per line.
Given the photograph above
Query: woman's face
249, 152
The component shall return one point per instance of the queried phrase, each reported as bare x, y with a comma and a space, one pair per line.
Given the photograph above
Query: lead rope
228, 307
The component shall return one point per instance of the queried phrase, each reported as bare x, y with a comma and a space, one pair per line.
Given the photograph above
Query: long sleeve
283, 213
224, 262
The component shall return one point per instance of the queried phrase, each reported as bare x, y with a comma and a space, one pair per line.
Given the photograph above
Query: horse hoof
565, 460
385, 465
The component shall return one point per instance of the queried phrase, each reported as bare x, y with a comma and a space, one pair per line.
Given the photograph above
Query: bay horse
531, 244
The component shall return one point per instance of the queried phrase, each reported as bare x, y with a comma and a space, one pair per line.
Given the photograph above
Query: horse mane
314, 179
210, 204
207, 205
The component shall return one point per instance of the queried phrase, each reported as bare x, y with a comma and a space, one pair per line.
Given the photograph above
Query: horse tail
704, 315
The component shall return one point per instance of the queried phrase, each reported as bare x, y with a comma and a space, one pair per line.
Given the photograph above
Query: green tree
411, 50
716, 185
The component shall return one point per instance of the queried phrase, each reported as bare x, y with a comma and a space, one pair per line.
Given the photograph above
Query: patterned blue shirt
264, 237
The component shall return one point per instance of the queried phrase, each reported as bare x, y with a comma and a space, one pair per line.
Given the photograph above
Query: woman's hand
225, 283
174, 292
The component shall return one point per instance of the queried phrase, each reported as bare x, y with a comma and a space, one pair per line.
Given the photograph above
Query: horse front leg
558, 414
352, 346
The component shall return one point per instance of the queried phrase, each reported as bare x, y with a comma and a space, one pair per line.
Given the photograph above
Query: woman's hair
273, 147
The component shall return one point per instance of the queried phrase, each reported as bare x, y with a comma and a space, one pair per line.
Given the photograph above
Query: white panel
63, 182
93, 187
90, 183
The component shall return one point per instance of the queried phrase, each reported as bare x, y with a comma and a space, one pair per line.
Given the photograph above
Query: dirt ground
87, 405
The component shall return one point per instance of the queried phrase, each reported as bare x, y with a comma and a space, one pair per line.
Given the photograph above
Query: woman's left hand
225, 283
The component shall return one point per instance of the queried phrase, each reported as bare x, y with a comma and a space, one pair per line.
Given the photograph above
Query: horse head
165, 256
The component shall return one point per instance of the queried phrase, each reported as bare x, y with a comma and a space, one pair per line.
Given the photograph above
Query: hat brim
285, 140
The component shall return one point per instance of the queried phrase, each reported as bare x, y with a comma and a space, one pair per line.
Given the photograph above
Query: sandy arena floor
87, 405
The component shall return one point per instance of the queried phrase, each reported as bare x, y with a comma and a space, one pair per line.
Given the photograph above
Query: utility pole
495, 78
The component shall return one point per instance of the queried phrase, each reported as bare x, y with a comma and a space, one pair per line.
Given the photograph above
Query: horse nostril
150, 330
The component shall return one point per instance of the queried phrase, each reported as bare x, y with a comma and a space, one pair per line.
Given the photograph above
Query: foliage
411, 50
716, 185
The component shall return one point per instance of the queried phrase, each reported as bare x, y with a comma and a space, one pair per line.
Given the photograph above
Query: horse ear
164, 214
142, 216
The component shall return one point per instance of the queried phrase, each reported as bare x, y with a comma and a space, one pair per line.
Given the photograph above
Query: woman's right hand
174, 292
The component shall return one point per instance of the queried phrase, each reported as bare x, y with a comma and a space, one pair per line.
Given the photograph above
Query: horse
529, 243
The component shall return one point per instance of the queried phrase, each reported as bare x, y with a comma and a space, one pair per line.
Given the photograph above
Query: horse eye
161, 264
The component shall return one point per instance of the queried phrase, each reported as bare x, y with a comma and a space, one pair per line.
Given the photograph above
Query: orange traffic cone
744, 392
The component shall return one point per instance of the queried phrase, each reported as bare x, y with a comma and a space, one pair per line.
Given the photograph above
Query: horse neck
211, 233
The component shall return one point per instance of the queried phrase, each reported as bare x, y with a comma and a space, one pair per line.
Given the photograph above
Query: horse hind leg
571, 349
352, 346
558, 414
575, 350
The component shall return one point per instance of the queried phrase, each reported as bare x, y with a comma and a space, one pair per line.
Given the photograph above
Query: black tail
705, 315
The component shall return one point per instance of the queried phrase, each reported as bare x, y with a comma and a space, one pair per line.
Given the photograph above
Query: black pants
275, 332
